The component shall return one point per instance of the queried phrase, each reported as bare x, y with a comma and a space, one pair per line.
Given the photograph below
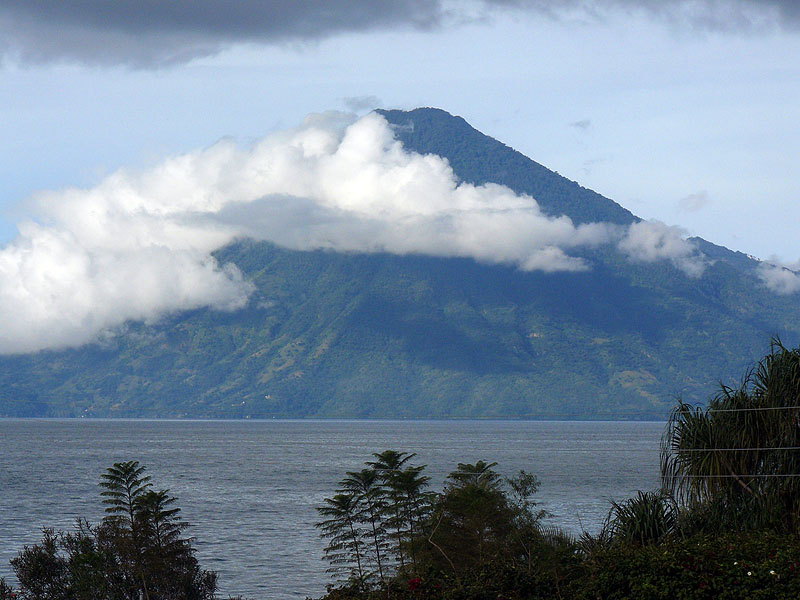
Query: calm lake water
249, 488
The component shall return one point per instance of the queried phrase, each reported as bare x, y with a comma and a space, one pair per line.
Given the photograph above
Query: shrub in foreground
136, 552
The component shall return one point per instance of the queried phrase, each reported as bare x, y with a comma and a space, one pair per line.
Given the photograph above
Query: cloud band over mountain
139, 245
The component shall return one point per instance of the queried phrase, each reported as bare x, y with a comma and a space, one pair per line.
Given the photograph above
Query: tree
474, 524
42, 573
364, 486
377, 512
160, 523
401, 487
480, 475
167, 557
136, 551
738, 460
527, 519
345, 549
472, 518
124, 485
413, 509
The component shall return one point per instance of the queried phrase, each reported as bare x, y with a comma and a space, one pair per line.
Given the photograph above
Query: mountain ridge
329, 334
415, 128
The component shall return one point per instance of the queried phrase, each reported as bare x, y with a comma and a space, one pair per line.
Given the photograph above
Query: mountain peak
374, 334
477, 158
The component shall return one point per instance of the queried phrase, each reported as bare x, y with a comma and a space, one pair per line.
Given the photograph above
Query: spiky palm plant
743, 451
647, 518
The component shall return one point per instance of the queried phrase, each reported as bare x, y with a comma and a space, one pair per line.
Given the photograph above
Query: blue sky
686, 112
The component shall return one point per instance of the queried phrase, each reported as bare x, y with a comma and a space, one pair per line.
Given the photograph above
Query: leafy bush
761, 566
136, 552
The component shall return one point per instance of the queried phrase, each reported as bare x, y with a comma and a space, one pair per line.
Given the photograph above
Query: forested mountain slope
378, 335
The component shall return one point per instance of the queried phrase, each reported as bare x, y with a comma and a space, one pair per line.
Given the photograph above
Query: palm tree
364, 485
341, 525
743, 451
160, 522
124, 484
389, 465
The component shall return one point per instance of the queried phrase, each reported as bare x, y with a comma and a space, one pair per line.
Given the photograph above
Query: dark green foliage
160, 521
726, 525
124, 484
471, 526
699, 568
403, 490
345, 551
136, 551
647, 518
6, 592
642, 555
737, 462
472, 519
364, 486
721, 566
353, 335
527, 530
42, 573
374, 520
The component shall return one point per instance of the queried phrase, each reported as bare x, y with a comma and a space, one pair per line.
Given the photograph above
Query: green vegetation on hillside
337, 335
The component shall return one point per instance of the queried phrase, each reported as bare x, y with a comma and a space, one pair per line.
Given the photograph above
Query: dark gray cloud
720, 15
152, 33
715, 15
148, 33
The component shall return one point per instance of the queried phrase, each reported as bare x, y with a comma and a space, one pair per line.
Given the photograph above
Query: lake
250, 488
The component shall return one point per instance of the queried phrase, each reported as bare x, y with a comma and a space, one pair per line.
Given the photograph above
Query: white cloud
780, 278
648, 241
139, 245
362, 104
694, 202
56, 291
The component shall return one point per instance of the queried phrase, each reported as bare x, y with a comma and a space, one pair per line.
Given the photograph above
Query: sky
131, 133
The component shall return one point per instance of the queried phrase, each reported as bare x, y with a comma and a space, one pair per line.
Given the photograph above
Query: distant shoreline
338, 419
